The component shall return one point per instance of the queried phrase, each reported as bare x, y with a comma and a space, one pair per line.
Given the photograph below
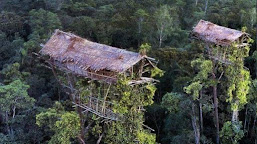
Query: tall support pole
195, 125
76, 99
141, 68
201, 112
105, 96
215, 99
56, 77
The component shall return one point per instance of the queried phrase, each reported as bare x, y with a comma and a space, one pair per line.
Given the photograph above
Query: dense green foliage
35, 109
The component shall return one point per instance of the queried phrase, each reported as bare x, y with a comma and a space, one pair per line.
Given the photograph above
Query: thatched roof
82, 56
216, 34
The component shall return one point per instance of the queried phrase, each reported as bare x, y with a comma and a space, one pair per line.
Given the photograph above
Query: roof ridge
73, 35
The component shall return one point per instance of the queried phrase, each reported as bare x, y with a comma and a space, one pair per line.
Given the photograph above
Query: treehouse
220, 37
80, 57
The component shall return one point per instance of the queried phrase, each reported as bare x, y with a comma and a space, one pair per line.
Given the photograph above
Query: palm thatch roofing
219, 35
89, 59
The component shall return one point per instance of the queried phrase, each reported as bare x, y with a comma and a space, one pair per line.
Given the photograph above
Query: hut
96, 61
222, 38
81, 57
218, 35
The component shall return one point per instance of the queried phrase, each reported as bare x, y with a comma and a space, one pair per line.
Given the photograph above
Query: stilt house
84, 58
220, 37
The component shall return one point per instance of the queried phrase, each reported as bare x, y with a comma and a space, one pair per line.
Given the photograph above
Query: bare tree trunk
194, 124
82, 121
100, 138
161, 36
140, 21
248, 126
76, 99
246, 110
89, 125
14, 112
81, 140
8, 129
141, 68
235, 116
215, 99
201, 112
206, 6
160, 42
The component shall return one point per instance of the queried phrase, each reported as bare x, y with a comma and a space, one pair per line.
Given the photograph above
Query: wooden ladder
99, 107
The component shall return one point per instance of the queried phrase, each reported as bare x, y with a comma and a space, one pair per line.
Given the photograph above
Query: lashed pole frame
98, 109
95, 105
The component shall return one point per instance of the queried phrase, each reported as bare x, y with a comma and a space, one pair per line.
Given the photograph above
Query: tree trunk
140, 24
160, 42
215, 99
140, 72
195, 125
206, 6
140, 21
100, 138
235, 116
89, 125
248, 126
76, 99
6, 122
14, 112
245, 117
82, 123
235, 113
201, 112
161, 36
